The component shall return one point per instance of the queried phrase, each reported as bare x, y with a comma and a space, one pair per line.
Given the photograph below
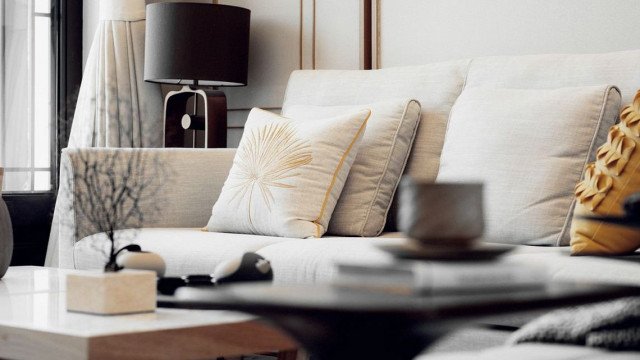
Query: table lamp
196, 45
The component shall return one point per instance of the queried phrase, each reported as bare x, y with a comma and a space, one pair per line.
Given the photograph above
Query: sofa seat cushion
313, 260
469, 338
191, 251
185, 250
533, 352
623, 270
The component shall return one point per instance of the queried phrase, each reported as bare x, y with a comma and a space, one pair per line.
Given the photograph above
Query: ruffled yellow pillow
607, 182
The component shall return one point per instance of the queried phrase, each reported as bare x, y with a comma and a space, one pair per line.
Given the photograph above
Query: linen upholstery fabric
613, 177
183, 201
366, 197
186, 251
436, 86
287, 175
308, 261
529, 147
550, 71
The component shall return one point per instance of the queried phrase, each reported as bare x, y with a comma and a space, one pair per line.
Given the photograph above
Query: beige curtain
115, 107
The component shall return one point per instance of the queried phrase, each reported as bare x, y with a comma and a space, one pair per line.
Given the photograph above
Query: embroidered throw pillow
366, 198
287, 175
607, 182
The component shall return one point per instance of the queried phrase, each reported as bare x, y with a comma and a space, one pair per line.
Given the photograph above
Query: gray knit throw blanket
613, 325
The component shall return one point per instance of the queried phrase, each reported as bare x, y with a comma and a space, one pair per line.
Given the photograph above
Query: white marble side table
34, 324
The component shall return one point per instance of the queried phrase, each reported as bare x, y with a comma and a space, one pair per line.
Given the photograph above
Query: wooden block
123, 292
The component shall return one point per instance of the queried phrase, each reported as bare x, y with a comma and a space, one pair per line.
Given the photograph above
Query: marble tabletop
34, 298
34, 322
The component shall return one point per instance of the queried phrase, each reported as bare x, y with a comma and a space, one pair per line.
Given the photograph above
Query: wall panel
338, 32
289, 35
274, 52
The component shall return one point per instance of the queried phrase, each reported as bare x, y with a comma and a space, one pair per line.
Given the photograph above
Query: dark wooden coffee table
337, 323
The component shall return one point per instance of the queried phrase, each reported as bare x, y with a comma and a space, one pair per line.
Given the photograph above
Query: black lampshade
204, 42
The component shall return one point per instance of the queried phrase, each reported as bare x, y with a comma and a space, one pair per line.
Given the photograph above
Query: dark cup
442, 214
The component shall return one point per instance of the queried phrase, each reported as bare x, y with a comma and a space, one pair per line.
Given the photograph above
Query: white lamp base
123, 292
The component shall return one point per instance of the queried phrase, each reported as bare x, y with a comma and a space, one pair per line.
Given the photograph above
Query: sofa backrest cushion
529, 148
438, 85
621, 69
435, 86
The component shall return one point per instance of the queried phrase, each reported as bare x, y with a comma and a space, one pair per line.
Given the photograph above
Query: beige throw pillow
529, 148
287, 175
366, 198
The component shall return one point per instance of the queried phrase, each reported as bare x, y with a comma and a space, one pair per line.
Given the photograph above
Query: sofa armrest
191, 183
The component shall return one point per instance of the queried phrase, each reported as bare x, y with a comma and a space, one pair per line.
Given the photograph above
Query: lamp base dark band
215, 117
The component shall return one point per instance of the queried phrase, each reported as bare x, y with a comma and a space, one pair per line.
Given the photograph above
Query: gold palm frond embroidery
268, 157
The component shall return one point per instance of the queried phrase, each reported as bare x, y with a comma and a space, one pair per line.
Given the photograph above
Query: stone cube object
123, 292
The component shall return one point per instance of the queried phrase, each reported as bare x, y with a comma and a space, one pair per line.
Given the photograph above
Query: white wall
318, 34
419, 31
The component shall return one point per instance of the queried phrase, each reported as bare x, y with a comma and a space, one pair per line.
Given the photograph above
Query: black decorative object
195, 45
250, 268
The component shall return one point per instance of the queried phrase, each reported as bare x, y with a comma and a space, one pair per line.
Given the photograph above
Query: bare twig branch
111, 188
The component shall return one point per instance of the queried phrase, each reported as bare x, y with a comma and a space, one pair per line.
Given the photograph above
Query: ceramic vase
441, 214
6, 238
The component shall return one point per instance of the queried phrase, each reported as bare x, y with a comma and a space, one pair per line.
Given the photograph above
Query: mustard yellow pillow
607, 182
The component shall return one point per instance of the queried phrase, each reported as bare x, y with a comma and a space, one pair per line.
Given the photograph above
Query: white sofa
198, 175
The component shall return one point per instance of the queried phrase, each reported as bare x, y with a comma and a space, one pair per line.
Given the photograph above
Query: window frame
32, 212
68, 70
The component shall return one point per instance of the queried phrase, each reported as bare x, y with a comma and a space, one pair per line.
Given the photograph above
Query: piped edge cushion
529, 148
287, 175
366, 198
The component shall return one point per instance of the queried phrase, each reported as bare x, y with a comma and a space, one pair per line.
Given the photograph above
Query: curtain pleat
116, 108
